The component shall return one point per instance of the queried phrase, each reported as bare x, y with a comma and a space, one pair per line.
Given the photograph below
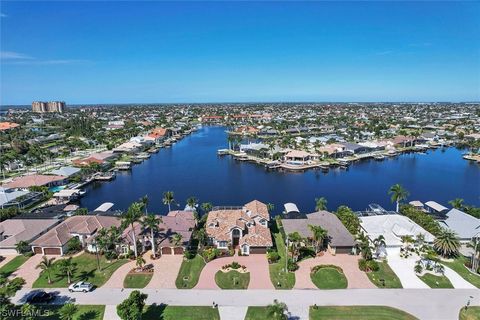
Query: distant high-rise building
52, 106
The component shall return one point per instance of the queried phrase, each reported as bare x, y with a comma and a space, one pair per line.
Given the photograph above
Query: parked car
80, 287
40, 296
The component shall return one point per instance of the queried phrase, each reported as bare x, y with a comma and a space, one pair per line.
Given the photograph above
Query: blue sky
120, 52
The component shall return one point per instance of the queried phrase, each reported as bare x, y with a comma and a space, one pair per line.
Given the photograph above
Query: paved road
428, 304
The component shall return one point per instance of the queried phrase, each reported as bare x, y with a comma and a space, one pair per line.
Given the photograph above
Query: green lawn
84, 312
280, 279
359, 313
472, 313
190, 272
137, 281
436, 282
163, 312
386, 273
86, 270
329, 278
458, 266
257, 313
232, 279
13, 265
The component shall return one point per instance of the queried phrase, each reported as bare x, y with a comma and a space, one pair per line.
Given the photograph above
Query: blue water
192, 168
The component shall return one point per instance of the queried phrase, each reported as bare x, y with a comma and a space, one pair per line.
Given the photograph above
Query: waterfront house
355, 148
392, 227
464, 225
159, 134
175, 222
297, 157
54, 241
25, 182
67, 172
18, 197
12, 231
243, 227
403, 141
100, 158
339, 240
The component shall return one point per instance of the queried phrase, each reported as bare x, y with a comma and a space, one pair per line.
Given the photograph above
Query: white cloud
3, 15
18, 58
383, 53
8, 55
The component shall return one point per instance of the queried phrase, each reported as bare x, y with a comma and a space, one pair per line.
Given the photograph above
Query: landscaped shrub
273, 256
322, 266
292, 265
111, 255
234, 265
368, 265
306, 252
210, 254
189, 254
74, 245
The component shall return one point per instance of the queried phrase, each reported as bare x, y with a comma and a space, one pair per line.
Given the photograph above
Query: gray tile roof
464, 225
337, 233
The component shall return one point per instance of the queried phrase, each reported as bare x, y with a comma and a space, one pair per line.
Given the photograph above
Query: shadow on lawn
154, 311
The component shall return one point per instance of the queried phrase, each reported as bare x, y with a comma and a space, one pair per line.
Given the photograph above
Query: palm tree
319, 236
168, 199
151, 222
475, 245
140, 262
66, 266
28, 311
177, 239
192, 203
22, 246
46, 265
364, 246
446, 243
270, 207
277, 310
206, 207
144, 202
379, 242
67, 312
457, 203
398, 194
129, 218
320, 204
294, 240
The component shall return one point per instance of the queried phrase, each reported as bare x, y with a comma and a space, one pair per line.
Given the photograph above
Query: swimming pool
56, 188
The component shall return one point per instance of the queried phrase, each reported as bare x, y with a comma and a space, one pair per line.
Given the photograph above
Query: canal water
192, 168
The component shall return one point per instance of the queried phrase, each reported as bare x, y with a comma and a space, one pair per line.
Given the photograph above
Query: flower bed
234, 266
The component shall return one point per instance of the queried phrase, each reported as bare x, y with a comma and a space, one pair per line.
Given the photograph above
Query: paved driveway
257, 264
349, 263
116, 280
404, 268
456, 280
165, 271
28, 270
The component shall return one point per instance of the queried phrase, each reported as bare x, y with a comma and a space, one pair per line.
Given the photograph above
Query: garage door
178, 250
166, 250
258, 250
52, 251
37, 250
